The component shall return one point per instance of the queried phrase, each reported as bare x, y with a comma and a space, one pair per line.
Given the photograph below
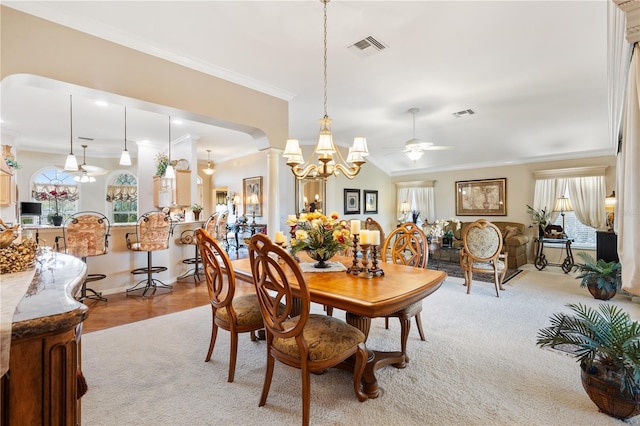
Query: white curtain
619, 54
545, 193
587, 196
420, 199
628, 210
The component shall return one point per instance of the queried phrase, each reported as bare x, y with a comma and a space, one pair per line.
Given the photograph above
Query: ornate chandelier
329, 161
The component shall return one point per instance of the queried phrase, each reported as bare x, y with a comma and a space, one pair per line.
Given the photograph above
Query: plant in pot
541, 218
601, 278
196, 209
607, 346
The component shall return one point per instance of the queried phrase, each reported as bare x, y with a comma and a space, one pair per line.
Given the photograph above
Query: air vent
367, 46
85, 138
463, 112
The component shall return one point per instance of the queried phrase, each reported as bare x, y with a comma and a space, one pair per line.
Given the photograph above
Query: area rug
453, 270
479, 366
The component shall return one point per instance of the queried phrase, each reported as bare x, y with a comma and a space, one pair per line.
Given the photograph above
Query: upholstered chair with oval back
482, 243
152, 234
310, 342
188, 237
236, 314
86, 234
407, 245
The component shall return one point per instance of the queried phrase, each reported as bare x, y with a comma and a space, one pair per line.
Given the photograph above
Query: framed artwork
252, 200
487, 197
351, 201
370, 201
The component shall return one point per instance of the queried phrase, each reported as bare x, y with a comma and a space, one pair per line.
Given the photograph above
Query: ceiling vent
463, 112
368, 46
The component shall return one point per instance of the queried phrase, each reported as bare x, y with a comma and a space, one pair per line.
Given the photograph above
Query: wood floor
123, 309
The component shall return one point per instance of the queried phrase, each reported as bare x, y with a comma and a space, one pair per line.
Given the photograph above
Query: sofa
514, 242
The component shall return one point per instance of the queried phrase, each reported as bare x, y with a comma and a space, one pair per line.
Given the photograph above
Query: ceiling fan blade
94, 170
437, 148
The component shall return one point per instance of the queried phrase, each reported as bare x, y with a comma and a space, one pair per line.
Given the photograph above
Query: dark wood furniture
41, 386
607, 246
244, 228
363, 299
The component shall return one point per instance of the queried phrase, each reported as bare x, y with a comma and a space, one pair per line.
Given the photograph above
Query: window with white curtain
420, 197
585, 188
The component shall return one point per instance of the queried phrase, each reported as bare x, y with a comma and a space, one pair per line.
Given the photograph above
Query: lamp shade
610, 202
562, 205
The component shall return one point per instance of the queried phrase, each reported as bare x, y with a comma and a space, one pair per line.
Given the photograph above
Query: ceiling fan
414, 148
86, 172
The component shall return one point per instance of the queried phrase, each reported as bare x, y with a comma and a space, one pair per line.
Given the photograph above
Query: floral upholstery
481, 251
247, 311
152, 232
326, 336
86, 235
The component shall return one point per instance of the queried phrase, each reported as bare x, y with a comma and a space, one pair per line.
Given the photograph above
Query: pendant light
209, 170
125, 158
326, 159
71, 164
170, 173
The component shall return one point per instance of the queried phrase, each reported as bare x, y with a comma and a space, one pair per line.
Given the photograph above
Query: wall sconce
610, 208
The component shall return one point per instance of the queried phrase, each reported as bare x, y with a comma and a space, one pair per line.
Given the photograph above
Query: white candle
375, 237
280, 237
355, 226
364, 237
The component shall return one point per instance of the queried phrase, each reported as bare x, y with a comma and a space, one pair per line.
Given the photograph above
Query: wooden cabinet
7, 189
607, 246
172, 192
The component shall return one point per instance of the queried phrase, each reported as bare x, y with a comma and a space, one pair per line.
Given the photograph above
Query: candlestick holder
354, 268
364, 272
282, 245
374, 270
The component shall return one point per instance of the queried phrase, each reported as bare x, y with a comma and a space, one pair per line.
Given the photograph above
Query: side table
541, 260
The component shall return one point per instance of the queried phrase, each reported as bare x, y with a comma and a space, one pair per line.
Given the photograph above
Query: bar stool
188, 237
152, 234
86, 234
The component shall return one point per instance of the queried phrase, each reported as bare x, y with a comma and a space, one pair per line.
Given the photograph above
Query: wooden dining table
365, 298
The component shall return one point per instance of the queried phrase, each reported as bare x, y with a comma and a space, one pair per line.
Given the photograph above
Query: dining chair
295, 337
86, 234
372, 225
482, 243
237, 315
188, 237
152, 234
407, 245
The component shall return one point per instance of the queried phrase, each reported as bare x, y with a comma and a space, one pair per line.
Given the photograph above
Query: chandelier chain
325, 57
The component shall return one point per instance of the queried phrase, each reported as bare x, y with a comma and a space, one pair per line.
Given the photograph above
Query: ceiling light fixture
125, 158
170, 173
71, 164
326, 164
413, 150
84, 177
209, 170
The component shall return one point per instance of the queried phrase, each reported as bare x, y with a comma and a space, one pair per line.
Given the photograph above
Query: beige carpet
479, 366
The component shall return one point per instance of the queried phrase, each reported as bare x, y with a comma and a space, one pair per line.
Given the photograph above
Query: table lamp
253, 200
610, 208
405, 208
562, 205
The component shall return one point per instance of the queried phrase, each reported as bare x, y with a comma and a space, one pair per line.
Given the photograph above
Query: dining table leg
376, 359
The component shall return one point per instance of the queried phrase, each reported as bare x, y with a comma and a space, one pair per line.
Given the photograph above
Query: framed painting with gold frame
486, 197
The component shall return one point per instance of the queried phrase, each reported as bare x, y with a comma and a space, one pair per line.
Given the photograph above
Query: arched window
123, 193
58, 193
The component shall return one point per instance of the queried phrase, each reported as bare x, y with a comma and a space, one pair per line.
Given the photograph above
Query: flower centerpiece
444, 228
55, 194
320, 236
196, 209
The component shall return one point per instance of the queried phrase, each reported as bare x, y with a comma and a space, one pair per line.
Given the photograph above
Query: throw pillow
509, 231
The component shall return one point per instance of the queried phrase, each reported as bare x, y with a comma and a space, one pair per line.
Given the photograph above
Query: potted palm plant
601, 278
607, 346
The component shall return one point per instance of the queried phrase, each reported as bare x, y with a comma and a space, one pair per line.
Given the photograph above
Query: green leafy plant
541, 218
12, 163
196, 208
607, 342
605, 275
162, 161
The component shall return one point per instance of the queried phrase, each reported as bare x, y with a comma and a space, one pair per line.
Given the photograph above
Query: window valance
120, 193
571, 172
49, 191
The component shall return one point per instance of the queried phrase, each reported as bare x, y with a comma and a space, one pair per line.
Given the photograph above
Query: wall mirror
310, 195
